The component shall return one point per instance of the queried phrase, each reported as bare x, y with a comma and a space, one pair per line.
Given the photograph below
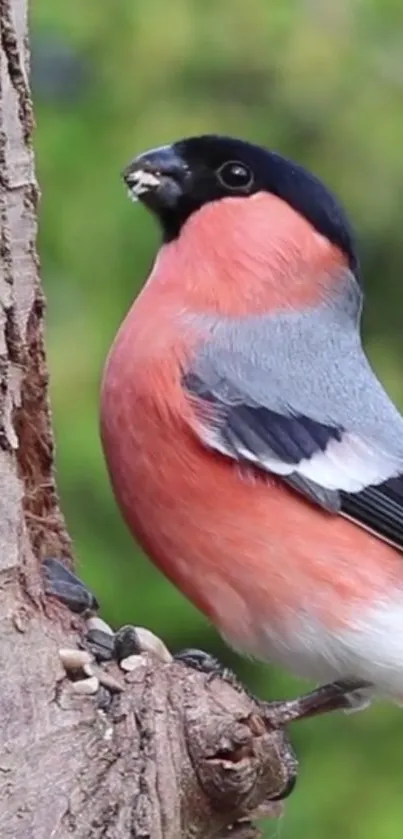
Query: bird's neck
246, 255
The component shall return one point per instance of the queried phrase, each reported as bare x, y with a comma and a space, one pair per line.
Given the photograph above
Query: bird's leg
105, 645
60, 582
334, 696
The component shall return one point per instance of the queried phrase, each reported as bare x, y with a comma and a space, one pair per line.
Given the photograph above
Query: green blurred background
319, 80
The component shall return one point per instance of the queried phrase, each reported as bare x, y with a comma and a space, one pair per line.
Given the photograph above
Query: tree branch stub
196, 754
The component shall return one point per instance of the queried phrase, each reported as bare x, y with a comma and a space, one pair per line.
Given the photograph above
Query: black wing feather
260, 432
289, 438
380, 508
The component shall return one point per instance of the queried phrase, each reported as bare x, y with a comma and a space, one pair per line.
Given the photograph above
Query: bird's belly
280, 579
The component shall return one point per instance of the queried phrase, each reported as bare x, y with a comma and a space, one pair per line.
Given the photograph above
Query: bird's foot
206, 663
128, 642
341, 695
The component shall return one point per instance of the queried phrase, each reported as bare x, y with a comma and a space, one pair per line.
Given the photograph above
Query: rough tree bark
177, 754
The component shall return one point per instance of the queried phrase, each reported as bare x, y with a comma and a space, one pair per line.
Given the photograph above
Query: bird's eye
235, 175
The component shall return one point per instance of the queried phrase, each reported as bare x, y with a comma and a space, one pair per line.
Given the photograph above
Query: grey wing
294, 395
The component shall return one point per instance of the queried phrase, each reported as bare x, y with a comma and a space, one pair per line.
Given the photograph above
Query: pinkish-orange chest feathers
223, 537
232, 257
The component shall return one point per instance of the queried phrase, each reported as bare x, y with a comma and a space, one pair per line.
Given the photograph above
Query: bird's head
177, 180
227, 199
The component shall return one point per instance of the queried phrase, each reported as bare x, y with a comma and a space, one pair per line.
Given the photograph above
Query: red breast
235, 541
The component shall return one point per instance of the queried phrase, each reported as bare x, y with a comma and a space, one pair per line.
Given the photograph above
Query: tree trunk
177, 753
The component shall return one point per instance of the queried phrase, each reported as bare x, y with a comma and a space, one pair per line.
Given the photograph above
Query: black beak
157, 178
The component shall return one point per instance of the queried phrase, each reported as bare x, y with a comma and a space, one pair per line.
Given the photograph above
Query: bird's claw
200, 660
206, 663
341, 695
129, 641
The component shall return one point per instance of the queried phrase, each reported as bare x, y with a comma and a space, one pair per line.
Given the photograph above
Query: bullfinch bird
253, 452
